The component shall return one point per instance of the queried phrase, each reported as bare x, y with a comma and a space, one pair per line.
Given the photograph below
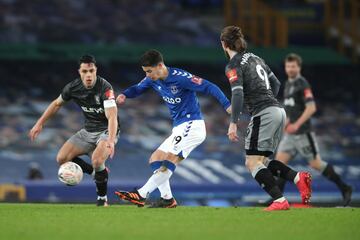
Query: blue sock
155, 165
169, 165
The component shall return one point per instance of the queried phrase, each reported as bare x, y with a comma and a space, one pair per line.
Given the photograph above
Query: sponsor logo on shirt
172, 100
289, 102
174, 89
232, 75
92, 110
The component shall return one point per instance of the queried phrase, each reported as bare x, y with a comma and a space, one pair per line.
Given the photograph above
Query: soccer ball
70, 173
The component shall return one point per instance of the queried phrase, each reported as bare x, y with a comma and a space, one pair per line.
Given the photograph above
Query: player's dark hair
151, 58
87, 59
293, 57
233, 38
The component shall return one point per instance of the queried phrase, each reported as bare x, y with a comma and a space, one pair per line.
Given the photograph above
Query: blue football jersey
178, 91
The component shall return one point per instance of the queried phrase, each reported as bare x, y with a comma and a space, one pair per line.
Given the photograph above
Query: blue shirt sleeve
201, 85
138, 89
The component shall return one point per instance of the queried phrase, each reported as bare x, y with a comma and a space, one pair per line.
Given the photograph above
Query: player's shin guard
101, 179
279, 169
164, 188
281, 184
86, 167
158, 178
267, 181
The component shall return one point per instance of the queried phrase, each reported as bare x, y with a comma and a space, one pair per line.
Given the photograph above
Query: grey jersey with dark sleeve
297, 94
91, 101
248, 72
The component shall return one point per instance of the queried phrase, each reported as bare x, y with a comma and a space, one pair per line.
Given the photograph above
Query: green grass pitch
82, 221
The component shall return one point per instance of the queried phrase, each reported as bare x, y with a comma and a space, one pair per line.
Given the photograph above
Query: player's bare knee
252, 162
172, 158
97, 161
316, 164
282, 157
61, 158
249, 164
158, 155
154, 157
96, 164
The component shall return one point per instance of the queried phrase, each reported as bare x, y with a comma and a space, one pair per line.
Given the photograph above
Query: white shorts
185, 138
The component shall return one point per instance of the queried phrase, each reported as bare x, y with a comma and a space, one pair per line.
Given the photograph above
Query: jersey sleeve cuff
227, 104
62, 98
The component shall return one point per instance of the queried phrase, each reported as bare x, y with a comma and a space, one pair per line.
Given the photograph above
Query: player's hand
35, 131
292, 128
121, 99
232, 132
110, 145
228, 110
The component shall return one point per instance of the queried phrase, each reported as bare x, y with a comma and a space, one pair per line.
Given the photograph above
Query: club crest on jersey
197, 80
232, 75
174, 89
97, 99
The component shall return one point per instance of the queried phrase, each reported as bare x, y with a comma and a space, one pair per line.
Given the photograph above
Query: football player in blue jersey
178, 89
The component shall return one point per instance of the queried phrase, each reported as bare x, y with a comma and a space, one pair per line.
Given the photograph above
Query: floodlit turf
79, 221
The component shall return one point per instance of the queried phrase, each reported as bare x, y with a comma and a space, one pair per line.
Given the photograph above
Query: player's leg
177, 147
184, 139
255, 165
72, 149
68, 152
326, 169
286, 151
159, 177
283, 157
156, 162
284, 173
98, 158
260, 142
279, 169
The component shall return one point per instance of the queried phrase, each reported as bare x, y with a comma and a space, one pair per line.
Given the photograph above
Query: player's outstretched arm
134, 91
49, 112
201, 85
111, 115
